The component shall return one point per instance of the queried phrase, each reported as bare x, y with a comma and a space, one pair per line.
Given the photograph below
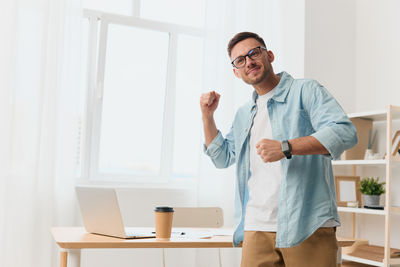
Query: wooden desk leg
339, 257
63, 258
70, 258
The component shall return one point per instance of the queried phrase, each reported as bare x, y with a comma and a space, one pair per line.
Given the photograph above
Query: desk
72, 239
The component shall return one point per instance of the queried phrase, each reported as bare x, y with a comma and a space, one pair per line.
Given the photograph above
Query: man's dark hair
242, 36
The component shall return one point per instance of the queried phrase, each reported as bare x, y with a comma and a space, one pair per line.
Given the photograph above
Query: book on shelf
363, 127
396, 144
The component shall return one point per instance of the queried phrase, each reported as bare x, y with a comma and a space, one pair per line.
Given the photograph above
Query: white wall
291, 56
377, 54
330, 47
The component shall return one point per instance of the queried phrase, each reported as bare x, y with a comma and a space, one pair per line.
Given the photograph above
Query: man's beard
256, 80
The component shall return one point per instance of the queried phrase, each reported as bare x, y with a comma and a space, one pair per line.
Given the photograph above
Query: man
282, 142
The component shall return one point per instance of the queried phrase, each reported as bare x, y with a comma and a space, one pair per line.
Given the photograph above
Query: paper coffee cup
163, 218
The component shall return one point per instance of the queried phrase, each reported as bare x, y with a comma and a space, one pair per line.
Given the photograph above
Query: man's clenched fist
269, 150
209, 103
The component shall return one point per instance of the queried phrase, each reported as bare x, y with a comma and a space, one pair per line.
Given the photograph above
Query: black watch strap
286, 149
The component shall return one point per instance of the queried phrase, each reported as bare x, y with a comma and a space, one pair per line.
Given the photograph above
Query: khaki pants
319, 250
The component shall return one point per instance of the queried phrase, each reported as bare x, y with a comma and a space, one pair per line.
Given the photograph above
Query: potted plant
371, 188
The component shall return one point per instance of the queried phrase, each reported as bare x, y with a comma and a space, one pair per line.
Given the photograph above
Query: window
121, 7
143, 79
133, 100
187, 113
184, 12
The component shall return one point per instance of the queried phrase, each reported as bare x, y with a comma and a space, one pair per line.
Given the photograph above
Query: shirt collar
281, 90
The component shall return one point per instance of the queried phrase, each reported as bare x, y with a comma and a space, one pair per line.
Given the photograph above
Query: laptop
101, 214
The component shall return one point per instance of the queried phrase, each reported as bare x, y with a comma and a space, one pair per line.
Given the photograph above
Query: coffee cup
163, 219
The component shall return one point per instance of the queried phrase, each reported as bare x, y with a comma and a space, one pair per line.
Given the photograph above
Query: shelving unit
360, 162
382, 254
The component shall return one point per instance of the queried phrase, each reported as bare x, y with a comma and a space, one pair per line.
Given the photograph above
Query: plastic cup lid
164, 209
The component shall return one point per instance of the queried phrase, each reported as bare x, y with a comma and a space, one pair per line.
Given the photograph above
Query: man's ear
236, 72
271, 56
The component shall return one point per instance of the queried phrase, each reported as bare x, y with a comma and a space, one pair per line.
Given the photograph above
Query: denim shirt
307, 196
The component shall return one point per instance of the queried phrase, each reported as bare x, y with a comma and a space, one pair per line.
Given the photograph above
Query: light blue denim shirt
307, 197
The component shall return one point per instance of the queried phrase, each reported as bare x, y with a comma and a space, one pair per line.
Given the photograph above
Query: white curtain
39, 109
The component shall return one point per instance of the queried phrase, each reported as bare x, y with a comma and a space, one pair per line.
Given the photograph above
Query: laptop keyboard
138, 234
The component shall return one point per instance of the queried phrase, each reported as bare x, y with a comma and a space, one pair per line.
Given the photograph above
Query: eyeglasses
254, 53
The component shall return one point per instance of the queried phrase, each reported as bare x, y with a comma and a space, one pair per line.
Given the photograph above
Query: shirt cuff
213, 147
331, 141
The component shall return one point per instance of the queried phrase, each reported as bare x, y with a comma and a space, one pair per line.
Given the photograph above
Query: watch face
285, 146
286, 149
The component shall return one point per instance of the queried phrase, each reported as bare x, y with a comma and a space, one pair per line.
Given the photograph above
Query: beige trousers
319, 250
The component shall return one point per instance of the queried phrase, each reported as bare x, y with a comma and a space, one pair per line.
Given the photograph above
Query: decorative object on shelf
358, 242
358, 151
371, 189
369, 153
396, 144
373, 253
346, 191
352, 204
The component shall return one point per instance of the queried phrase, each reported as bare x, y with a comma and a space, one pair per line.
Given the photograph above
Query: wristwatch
287, 149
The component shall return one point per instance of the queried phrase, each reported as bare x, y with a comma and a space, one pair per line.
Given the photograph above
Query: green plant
371, 186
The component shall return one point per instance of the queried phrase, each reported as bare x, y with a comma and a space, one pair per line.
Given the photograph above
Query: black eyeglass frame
247, 55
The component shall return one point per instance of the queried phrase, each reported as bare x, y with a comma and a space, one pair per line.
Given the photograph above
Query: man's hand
209, 103
269, 150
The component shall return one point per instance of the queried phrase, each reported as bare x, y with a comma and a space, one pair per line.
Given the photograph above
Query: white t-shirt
264, 183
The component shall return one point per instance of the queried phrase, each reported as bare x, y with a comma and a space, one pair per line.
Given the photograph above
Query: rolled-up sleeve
333, 128
221, 150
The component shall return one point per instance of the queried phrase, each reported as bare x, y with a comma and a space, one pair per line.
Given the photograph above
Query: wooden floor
353, 264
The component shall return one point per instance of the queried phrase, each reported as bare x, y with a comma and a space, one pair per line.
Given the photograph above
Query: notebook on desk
101, 214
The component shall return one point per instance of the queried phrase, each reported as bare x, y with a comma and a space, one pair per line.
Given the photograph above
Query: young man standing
282, 142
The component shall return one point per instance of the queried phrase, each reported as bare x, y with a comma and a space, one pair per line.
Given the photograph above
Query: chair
198, 217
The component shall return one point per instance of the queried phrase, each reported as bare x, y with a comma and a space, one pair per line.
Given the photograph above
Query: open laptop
101, 214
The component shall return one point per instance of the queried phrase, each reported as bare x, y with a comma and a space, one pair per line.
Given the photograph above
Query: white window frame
96, 70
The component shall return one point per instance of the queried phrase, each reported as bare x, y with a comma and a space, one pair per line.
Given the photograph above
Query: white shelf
360, 162
394, 210
361, 210
377, 115
361, 260
365, 162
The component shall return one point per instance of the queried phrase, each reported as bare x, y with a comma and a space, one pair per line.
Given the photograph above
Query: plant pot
371, 200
